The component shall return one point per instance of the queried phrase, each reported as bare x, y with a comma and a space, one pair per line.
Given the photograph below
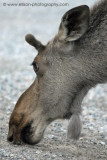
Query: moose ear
74, 23
34, 42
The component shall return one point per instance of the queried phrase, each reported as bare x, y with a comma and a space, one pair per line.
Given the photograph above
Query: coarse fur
74, 61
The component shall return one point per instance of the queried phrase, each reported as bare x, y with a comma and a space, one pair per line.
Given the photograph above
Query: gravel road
16, 75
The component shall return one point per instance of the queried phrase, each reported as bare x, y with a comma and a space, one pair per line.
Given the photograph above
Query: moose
67, 67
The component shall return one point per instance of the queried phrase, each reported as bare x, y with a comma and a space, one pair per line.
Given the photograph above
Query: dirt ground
16, 75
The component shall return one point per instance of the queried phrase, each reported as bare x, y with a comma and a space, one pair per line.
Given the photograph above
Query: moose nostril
10, 138
26, 133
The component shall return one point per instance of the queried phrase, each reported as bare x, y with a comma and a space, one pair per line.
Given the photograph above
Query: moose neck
91, 59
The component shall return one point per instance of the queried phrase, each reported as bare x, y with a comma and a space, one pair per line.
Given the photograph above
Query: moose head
65, 71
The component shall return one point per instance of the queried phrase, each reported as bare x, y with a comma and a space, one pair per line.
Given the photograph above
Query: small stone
38, 152
90, 128
11, 155
103, 143
60, 155
53, 156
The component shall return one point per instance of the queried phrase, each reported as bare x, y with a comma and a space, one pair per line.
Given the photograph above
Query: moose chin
74, 61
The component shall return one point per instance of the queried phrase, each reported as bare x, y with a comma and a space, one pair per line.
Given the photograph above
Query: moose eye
35, 66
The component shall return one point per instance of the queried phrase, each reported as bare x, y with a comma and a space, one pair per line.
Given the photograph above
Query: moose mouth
10, 138
28, 134
24, 135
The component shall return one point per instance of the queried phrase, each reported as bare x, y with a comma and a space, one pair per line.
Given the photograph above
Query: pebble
53, 156
103, 143
11, 155
38, 152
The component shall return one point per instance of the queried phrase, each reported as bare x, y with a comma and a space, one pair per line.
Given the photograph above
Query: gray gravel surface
16, 75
